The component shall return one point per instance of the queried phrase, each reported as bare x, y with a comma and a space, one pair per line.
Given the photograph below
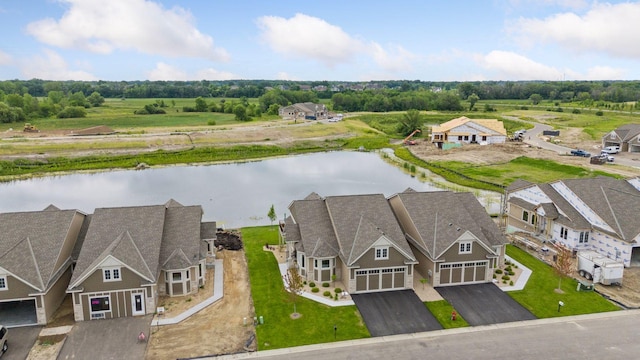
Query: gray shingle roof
30, 244
443, 216
316, 232
182, 232
208, 230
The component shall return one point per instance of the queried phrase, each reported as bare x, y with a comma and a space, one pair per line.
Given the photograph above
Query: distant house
469, 131
453, 238
580, 214
132, 255
301, 111
36, 261
371, 243
626, 136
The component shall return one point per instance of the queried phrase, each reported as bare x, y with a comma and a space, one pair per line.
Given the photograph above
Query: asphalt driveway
107, 339
394, 312
483, 304
21, 340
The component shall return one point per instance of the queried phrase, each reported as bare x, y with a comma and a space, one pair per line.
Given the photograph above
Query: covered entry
380, 279
18, 313
463, 273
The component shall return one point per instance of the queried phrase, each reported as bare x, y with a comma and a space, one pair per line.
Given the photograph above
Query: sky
346, 40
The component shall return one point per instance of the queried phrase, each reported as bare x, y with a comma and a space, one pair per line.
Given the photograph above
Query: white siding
611, 247
580, 206
532, 194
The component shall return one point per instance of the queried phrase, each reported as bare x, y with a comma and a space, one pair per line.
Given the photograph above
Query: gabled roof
181, 232
628, 131
494, 125
31, 244
518, 184
359, 220
314, 228
112, 230
442, 217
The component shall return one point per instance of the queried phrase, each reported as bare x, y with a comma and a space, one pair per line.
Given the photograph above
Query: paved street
599, 336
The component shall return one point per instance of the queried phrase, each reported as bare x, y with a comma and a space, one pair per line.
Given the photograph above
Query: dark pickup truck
578, 152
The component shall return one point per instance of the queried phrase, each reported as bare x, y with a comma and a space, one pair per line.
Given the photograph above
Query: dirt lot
219, 328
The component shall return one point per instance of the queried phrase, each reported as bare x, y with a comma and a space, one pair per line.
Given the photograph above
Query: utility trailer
599, 268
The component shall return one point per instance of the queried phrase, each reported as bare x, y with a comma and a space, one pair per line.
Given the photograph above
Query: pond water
234, 195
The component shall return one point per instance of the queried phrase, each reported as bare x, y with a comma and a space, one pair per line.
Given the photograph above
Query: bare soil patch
176, 305
218, 329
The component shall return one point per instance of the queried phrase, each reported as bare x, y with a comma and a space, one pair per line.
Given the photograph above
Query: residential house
580, 214
301, 111
132, 255
453, 238
626, 136
469, 131
36, 260
355, 238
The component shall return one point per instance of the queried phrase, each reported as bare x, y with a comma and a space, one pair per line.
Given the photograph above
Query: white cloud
285, 76
612, 29
304, 36
145, 26
167, 72
511, 66
5, 59
52, 66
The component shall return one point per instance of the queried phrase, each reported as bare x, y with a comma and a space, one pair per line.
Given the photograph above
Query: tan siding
368, 261
403, 217
17, 289
56, 294
424, 264
477, 253
94, 282
70, 240
515, 218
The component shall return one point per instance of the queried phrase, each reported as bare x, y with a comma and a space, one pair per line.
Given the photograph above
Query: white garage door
463, 273
380, 279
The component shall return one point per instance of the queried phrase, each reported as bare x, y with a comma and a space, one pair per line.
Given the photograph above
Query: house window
326, 263
484, 138
3, 283
525, 216
465, 247
176, 276
302, 261
584, 237
563, 233
111, 274
466, 138
382, 253
99, 304
533, 219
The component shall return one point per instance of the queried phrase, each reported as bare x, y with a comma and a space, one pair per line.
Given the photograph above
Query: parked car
3, 340
611, 149
579, 152
607, 157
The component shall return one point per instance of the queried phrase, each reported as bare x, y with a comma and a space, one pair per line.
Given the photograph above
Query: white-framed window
176, 276
563, 232
100, 304
465, 247
382, 253
326, 263
3, 283
525, 216
111, 274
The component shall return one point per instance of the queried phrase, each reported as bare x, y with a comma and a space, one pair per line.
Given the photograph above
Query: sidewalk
218, 292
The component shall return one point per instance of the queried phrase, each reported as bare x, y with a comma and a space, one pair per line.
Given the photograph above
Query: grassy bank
273, 303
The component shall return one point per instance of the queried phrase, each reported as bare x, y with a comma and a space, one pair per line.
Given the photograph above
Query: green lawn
442, 311
273, 303
540, 297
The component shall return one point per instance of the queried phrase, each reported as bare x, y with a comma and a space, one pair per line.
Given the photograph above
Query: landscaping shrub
315, 290
327, 293
312, 284
325, 284
338, 290
505, 277
511, 283
498, 271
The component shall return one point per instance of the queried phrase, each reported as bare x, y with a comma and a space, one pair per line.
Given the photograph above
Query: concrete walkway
218, 292
311, 296
522, 279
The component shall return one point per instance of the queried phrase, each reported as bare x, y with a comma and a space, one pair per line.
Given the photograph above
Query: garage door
380, 279
18, 313
463, 273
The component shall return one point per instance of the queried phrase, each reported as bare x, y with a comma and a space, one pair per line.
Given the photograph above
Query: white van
611, 149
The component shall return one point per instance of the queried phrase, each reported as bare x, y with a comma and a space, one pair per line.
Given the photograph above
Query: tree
95, 99
294, 284
201, 104
272, 214
535, 99
410, 122
563, 265
241, 113
472, 99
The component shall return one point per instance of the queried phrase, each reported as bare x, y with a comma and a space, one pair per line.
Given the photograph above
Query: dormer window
3, 283
465, 247
382, 253
111, 274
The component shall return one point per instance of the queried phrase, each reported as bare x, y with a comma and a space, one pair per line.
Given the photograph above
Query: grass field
273, 303
539, 295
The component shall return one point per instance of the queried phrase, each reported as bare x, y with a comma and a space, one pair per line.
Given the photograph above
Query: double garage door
380, 279
463, 273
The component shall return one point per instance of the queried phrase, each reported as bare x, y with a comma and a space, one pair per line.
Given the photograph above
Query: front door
137, 304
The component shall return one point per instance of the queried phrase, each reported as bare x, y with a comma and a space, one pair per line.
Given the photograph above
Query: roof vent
450, 224
458, 229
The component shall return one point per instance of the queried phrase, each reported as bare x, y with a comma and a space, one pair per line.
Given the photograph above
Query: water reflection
233, 194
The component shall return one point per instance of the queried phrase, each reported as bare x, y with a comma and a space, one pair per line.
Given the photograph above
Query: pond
234, 195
